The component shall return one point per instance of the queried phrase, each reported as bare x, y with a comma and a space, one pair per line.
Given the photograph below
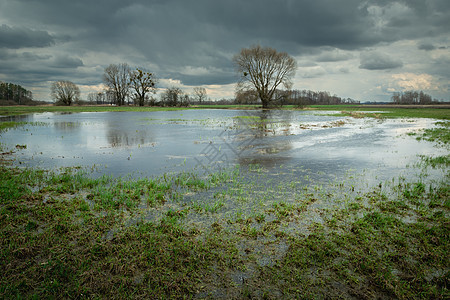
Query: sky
364, 50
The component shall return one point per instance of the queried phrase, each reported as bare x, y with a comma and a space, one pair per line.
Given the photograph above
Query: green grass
66, 234
55, 238
439, 135
17, 110
10, 124
388, 112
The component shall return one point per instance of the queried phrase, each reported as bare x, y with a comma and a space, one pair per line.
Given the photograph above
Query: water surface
153, 143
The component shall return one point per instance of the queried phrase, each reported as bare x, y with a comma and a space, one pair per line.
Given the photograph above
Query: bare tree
65, 92
91, 97
100, 98
246, 97
117, 79
142, 83
184, 100
264, 69
172, 97
200, 94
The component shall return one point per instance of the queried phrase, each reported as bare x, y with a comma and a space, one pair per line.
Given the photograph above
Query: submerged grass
54, 228
65, 234
10, 124
440, 134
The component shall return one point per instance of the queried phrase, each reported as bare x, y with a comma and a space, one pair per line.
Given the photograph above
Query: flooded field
265, 204
153, 143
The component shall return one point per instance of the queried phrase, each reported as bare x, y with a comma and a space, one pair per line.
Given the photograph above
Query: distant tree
172, 97
117, 80
282, 97
15, 93
100, 98
411, 97
65, 92
184, 100
424, 98
396, 97
91, 97
246, 97
142, 83
200, 95
264, 69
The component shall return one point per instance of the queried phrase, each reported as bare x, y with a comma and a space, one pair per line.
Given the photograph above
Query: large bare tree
142, 83
65, 92
117, 79
264, 69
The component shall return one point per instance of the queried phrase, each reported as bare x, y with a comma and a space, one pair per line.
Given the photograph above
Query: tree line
11, 93
294, 97
125, 86
412, 97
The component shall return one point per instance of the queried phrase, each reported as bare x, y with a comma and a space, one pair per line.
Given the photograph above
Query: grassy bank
18, 110
388, 111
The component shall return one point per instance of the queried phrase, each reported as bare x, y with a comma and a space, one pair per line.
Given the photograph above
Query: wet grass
56, 241
230, 234
19, 110
388, 111
440, 134
10, 124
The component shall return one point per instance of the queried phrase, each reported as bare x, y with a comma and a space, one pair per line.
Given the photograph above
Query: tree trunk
265, 101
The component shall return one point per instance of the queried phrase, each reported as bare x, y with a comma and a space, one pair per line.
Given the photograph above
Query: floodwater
153, 143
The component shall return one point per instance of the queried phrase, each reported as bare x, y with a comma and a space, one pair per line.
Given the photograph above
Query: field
67, 234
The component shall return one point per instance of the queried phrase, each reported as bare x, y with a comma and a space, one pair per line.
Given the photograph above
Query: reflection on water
66, 126
120, 133
157, 142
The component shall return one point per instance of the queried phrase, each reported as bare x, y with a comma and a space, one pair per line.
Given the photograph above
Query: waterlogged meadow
224, 204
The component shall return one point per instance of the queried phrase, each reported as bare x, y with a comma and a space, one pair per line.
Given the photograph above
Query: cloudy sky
364, 50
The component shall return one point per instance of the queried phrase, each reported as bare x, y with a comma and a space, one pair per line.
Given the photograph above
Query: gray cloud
373, 60
21, 37
65, 61
333, 56
426, 47
79, 38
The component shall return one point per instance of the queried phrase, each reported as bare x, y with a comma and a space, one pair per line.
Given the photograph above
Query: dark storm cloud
169, 36
183, 26
378, 61
21, 37
333, 56
65, 61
